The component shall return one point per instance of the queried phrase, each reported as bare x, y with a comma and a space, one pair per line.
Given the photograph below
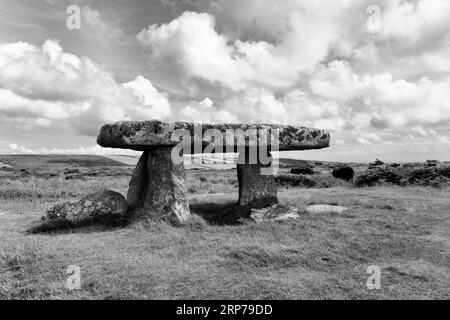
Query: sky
374, 73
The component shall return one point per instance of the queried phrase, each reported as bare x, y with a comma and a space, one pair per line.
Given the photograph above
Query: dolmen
158, 189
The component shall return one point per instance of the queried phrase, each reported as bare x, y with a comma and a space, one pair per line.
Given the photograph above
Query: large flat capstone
146, 135
158, 187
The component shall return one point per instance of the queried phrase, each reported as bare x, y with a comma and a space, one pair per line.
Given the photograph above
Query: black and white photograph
240, 152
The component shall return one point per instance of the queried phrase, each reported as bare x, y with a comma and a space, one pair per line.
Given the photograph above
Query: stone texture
158, 188
256, 188
100, 206
139, 183
325, 208
275, 213
144, 135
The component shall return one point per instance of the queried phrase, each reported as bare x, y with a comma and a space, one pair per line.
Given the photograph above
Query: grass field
404, 230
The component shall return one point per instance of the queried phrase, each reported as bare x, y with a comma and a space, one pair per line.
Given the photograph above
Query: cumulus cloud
311, 63
384, 101
191, 42
295, 62
305, 35
98, 25
101, 32
47, 86
369, 138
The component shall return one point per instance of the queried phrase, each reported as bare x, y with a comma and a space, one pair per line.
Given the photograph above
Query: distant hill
54, 161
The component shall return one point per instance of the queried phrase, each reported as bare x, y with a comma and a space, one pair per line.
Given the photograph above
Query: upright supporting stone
138, 183
256, 188
158, 188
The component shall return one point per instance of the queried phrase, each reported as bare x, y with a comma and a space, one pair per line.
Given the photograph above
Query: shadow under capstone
230, 213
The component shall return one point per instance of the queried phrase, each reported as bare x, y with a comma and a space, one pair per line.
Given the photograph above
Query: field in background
404, 230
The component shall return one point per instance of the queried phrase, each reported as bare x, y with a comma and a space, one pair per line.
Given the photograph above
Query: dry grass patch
325, 256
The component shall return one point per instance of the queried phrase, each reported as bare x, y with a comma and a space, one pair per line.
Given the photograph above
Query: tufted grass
404, 230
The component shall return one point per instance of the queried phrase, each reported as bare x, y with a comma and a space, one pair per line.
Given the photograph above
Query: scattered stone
103, 206
344, 172
275, 213
325, 208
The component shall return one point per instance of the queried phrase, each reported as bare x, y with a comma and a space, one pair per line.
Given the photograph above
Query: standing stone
256, 188
138, 183
158, 188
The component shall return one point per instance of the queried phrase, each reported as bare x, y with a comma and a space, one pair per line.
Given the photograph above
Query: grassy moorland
404, 230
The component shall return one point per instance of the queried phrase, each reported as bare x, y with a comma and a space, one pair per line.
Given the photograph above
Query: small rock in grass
275, 213
325, 208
